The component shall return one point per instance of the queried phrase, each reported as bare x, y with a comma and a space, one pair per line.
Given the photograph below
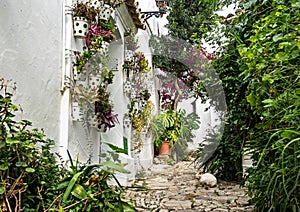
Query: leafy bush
28, 170
32, 180
270, 58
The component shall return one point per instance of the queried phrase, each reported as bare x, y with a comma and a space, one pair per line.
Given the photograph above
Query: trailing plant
138, 65
141, 107
140, 118
103, 109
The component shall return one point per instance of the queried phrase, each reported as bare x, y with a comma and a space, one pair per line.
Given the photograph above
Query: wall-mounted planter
133, 95
142, 103
127, 87
126, 122
104, 47
96, 4
94, 82
77, 112
128, 55
93, 121
105, 12
81, 27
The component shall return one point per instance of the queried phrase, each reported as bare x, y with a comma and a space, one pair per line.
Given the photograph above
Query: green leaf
63, 185
115, 167
21, 164
277, 37
2, 190
30, 170
12, 141
251, 99
79, 192
71, 185
116, 148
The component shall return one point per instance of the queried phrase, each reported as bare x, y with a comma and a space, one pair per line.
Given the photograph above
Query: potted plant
166, 130
83, 17
103, 109
106, 9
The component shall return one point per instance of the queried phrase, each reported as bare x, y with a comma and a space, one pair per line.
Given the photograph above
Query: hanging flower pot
81, 27
77, 112
94, 82
128, 55
93, 121
104, 47
105, 12
126, 122
96, 4
102, 128
127, 87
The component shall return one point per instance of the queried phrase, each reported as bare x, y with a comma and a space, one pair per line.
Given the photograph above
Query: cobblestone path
167, 188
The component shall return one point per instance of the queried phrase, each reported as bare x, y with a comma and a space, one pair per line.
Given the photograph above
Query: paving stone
175, 188
176, 204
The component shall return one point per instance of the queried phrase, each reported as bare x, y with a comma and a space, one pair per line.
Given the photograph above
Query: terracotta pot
164, 149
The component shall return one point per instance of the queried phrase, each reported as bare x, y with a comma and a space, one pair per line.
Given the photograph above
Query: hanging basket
81, 27
105, 12
128, 55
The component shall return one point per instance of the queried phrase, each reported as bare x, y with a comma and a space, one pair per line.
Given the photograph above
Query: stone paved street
167, 188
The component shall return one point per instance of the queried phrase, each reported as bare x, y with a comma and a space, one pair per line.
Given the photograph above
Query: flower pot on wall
93, 121
96, 4
94, 82
105, 12
77, 112
104, 48
128, 55
164, 149
81, 27
127, 87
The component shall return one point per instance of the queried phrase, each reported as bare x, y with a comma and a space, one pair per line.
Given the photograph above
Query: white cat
207, 180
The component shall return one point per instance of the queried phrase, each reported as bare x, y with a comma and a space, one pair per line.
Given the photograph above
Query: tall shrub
270, 59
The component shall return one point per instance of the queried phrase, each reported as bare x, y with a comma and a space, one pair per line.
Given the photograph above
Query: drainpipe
65, 76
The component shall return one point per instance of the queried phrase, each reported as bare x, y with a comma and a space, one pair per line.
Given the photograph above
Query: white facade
36, 52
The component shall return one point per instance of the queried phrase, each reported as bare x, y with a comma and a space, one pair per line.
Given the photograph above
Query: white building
37, 52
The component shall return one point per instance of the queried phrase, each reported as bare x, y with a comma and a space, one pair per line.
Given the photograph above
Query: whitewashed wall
31, 55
